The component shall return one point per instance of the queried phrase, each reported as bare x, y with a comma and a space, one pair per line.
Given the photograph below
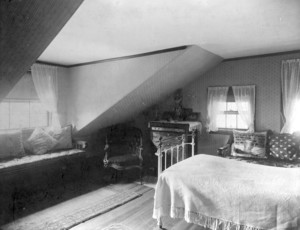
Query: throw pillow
284, 146
249, 144
11, 145
41, 142
63, 137
26, 133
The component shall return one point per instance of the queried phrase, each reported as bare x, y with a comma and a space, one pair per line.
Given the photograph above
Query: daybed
221, 193
33, 160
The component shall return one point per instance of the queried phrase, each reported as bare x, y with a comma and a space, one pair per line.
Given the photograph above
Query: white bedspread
226, 194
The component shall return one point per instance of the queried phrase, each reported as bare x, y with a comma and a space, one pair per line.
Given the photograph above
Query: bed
219, 193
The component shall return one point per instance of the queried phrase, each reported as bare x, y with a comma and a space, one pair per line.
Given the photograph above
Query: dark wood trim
48, 63
162, 51
129, 57
262, 55
52, 64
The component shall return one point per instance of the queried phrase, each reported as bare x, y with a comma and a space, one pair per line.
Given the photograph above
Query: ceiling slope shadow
185, 68
26, 29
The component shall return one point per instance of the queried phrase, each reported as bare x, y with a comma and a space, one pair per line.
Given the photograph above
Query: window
229, 117
230, 108
18, 113
22, 108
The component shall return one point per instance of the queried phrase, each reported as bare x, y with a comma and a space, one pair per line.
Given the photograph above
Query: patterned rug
75, 211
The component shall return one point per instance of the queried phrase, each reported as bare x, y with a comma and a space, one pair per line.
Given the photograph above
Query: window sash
225, 124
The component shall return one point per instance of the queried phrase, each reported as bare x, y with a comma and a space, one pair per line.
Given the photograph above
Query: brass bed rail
173, 150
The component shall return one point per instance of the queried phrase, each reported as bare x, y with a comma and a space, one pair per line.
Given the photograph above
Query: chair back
124, 140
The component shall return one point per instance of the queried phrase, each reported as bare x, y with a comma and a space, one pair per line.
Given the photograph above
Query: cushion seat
124, 160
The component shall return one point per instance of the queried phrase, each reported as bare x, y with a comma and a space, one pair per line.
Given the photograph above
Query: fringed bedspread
220, 193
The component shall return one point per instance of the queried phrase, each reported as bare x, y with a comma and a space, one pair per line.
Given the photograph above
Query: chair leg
116, 176
141, 176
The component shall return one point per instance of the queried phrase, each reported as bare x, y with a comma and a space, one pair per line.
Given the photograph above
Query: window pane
38, 115
4, 115
19, 115
241, 123
231, 106
221, 123
231, 121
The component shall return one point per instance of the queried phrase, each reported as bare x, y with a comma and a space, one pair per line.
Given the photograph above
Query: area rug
75, 211
116, 227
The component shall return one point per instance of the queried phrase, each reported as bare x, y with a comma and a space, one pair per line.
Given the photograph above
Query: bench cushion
35, 158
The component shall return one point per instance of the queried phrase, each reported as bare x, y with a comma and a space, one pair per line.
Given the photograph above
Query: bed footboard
174, 149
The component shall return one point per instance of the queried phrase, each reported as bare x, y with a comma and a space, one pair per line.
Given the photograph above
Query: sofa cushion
40, 142
11, 145
248, 144
284, 146
63, 136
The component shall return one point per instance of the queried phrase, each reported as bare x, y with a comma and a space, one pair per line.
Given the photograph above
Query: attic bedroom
136, 115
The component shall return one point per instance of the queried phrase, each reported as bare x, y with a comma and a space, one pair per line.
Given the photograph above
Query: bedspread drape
225, 194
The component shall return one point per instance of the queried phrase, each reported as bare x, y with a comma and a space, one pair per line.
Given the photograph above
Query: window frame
230, 98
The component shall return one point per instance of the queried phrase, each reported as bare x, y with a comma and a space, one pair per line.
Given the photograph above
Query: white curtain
45, 82
290, 85
216, 102
244, 97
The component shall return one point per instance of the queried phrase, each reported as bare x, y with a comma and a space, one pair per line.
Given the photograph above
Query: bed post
159, 155
159, 223
193, 142
183, 153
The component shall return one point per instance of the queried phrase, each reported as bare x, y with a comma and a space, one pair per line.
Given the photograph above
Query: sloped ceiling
103, 29
26, 28
181, 70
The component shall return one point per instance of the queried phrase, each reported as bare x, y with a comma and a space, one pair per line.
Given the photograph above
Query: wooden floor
135, 215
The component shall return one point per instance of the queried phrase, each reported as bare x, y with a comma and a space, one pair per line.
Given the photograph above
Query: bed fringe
208, 222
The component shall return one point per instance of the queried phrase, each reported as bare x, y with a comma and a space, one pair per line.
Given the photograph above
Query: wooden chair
123, 149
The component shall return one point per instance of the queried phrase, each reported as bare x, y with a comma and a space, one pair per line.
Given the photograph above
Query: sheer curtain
45, 82
244, 97
290, 86
216, 102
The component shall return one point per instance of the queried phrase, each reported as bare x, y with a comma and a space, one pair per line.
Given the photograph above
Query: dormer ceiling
105, 29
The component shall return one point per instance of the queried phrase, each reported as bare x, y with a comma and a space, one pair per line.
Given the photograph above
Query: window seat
26, 174
36, 158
